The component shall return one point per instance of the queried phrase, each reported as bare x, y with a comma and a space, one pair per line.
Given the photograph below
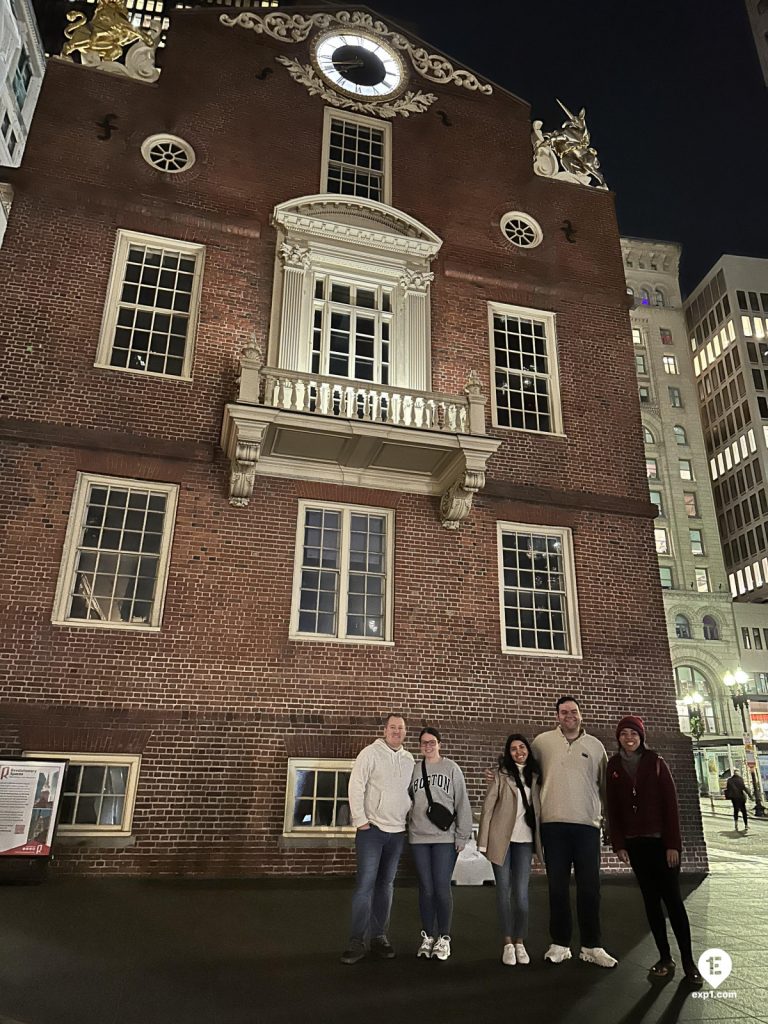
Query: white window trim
112, 302
322, 638
550, 330
71, 543
314, 764
133, 761
370, 122
571, 593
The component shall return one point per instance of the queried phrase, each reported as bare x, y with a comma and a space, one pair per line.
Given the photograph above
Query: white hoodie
378, 787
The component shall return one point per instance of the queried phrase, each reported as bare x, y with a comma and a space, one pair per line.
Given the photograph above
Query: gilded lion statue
106, 35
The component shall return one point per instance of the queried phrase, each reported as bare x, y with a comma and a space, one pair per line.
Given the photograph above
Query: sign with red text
30, 792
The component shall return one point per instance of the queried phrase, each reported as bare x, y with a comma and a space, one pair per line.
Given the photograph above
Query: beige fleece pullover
573, 777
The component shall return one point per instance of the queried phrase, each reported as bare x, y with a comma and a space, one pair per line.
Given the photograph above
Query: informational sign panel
29, 803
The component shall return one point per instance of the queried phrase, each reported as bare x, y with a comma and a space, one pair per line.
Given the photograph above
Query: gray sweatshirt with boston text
447, 786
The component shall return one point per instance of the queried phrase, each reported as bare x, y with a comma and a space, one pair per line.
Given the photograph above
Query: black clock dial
358, 65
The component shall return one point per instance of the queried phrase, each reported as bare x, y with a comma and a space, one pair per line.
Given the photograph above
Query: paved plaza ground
84, 951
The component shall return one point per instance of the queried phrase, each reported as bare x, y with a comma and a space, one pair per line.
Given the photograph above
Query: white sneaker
597, 955
508, 956
556, 954
521, 954
442, 948
427, 943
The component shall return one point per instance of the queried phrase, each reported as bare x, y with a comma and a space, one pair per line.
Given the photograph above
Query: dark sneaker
354, 954
382, 948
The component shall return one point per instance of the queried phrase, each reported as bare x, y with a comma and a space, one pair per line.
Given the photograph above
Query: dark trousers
739, 808
567, 845
659, 884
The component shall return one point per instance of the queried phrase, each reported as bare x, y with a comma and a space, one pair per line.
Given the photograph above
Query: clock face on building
359, 65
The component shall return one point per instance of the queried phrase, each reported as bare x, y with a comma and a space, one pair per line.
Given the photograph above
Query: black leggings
739, 808
659, 884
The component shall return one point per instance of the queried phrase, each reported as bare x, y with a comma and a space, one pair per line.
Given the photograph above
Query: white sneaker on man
597, 955
521, 953
557, 954
508, 956
442, 948
427, 944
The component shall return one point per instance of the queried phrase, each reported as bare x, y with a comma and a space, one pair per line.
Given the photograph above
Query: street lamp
693, 702
736, 682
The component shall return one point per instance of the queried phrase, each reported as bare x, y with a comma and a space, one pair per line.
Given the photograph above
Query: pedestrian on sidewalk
379, 804
508, 836
439, 827
572, 800
644, 823
736, 792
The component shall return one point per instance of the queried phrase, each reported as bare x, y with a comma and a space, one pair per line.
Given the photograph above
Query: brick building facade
248, 516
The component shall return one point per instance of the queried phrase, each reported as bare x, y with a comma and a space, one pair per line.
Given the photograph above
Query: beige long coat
499, 815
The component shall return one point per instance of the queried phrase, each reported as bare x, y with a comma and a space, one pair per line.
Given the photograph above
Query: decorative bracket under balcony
310, 427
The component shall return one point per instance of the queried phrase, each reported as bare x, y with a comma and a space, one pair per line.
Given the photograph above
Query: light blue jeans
512, 889
378, 854
434, 864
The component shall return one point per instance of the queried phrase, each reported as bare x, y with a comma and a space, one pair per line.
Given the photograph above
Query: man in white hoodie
379, 804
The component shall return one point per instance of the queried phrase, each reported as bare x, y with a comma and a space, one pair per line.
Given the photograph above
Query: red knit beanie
632, 722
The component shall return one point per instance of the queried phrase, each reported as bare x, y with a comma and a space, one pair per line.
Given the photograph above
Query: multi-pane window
690, 683
670, 364
691, 504
652, 469
351, 330
539, 612
666, 335
648, 436
686, 469
645, 395
357, 159
22, 76
116, 554
682, 628
637, 336
680, 435
697, 542
151, 311
746, 639
317, 797
665, 577
675, 398
657, 500
343, 573
711, 628
98, 793
640, 363
526, 394
662, 541
702, 580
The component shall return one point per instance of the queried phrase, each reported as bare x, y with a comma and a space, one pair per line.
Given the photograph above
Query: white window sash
383, 127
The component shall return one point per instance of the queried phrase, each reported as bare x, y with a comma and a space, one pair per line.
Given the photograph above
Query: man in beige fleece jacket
572, 800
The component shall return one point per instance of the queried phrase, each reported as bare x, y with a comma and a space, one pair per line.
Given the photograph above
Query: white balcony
310, 427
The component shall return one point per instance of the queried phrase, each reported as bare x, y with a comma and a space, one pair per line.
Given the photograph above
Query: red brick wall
220, 697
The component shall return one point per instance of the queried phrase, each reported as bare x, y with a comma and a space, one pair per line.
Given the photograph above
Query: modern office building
22, 65
319, 415
697, 600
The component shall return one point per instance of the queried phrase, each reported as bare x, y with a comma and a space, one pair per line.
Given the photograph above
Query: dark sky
675, 98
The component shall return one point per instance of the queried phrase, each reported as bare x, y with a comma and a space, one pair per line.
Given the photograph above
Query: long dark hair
507, 764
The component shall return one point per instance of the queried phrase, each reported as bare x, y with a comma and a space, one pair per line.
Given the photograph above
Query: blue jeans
434, 864
512, 889
378, 854
567, 844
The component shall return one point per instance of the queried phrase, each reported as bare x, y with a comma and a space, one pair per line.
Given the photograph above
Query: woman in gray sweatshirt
435, 849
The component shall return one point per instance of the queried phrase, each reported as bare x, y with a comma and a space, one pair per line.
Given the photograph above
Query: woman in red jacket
644, 824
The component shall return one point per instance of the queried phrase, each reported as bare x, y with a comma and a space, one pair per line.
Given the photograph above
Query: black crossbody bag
438, 814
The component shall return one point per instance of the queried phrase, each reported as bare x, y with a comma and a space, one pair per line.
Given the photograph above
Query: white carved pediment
351, 220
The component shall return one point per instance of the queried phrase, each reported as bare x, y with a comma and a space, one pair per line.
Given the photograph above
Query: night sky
676, 103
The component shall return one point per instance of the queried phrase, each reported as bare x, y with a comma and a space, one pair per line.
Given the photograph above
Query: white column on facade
413, 365
293, 346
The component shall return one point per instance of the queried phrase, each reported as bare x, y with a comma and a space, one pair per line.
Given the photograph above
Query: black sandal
693, 977
663, 969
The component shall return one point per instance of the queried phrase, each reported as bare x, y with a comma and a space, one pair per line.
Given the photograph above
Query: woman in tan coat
508, 836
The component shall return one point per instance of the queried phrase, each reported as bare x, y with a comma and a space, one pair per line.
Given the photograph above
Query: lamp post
693, 702
736, 683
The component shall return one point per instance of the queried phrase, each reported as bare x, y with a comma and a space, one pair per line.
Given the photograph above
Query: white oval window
521, 230
168, 153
